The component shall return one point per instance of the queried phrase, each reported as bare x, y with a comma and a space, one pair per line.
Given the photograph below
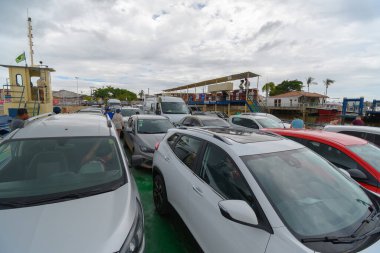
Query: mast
30, 36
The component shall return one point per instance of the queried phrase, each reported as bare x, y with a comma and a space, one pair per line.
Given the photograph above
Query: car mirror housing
357, 174
345, 172
238, 211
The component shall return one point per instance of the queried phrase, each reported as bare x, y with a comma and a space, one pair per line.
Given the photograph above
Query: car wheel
159, 195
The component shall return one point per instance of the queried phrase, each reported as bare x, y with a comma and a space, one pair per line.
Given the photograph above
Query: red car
357, 156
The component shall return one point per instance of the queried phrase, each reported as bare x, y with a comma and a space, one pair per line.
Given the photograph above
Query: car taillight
157, 146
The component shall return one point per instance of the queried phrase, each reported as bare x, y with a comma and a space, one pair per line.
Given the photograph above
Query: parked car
141, 134
253, 122
127, 112
371, 134
268, 115
358, 157
203, 121
219, 114
65, 187
238, 191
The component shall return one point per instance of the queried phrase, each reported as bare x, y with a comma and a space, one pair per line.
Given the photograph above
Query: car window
336, 157
187, 121
186, 149
172, 139
153, 126
54, 166
195, 122
245, 122
220, 172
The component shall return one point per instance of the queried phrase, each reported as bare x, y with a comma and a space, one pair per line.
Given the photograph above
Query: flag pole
26, 64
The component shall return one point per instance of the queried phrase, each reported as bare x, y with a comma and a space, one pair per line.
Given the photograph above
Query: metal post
77, 90
30, 36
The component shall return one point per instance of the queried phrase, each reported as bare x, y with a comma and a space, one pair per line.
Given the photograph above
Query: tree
287, 86
327, 83
310, 81
268, 87
111, 92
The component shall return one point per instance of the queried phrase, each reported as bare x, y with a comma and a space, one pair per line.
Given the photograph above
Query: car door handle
198, 190
166, 158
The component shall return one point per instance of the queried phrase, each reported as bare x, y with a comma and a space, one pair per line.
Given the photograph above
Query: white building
296, 99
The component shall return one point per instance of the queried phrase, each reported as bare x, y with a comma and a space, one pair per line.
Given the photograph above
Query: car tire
160, 198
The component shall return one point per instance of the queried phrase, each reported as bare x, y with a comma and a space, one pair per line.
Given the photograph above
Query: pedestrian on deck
297, 123
56, 110
358, 121
117, 119
19, 120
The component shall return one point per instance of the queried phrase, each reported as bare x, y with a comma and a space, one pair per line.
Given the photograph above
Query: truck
174, 108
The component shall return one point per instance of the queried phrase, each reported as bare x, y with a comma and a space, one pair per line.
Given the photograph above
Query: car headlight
135, 238
146, 149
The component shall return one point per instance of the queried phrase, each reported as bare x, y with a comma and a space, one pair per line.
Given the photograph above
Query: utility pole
77, 90
30, 36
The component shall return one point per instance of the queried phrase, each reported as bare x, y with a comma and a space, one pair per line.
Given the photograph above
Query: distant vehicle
256, 192
91, 110
126, 112
113, 102
219, 114
203, 121
194, 108
174, 108
358, 157
141, 134
65, 182
371, 134
271, 116
198, 113
253, 122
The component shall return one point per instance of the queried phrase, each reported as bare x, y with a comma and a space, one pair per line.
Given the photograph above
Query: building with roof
65, 97
295, 99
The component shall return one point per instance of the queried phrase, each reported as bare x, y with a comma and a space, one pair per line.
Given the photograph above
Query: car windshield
313, 198
35, 170
273, 118
174, 108
130, 112
153, 126
269, 123
370, 153
215, 122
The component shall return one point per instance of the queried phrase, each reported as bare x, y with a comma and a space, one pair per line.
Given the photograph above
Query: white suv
243, 191
65, 187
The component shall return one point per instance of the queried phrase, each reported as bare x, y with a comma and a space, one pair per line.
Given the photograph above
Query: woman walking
117, 119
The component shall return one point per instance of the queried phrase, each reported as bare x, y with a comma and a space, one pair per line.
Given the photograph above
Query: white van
173, 108
113, 102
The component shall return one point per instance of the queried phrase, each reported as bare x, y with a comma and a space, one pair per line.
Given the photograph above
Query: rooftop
300, 94
65, 125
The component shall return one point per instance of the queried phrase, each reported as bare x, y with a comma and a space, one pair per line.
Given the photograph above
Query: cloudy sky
161, 44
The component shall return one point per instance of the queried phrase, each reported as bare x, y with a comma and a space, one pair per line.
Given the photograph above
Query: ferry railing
12, 92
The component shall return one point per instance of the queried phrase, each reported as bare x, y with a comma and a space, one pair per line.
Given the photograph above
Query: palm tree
141, 94
267, 88
327, 83
310, 81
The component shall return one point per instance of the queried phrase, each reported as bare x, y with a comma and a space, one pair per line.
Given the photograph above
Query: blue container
12, 112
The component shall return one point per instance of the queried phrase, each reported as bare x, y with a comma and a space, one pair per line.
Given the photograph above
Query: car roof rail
45, 115
221, 138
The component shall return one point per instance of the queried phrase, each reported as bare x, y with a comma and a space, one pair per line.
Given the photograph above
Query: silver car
141, 134
65, 187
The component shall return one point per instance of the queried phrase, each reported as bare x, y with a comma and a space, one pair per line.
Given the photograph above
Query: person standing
358, 121
19, 120
117, 119
298, 123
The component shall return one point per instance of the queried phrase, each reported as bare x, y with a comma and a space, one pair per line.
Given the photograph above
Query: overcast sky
161, 44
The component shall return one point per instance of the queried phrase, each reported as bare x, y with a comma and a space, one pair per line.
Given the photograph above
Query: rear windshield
153, 126
38, 170
215, 122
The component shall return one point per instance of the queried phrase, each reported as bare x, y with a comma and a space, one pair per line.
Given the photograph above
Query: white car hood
98, 223
374, 248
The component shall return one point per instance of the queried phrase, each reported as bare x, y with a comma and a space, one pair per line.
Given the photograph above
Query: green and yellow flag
20, 58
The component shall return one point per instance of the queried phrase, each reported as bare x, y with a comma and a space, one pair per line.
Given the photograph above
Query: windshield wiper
354, 236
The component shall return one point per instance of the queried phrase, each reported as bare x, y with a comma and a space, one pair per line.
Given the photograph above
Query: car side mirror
128, 130
357, 174
345, 172
238, 211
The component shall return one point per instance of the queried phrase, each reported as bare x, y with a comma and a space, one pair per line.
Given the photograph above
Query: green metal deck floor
162, 234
